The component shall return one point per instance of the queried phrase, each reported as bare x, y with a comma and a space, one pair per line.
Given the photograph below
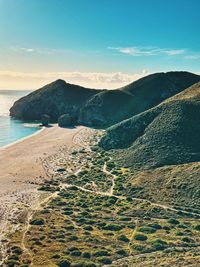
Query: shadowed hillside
110, 107
101, 108
54, 99
164, 135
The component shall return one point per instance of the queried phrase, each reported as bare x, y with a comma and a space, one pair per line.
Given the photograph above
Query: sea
12, 130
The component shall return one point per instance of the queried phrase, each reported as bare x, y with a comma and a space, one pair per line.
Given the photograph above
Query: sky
95, 43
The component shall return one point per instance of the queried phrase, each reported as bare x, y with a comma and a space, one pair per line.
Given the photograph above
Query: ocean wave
32, 125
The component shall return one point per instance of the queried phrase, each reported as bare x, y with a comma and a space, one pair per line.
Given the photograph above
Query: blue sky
96, 43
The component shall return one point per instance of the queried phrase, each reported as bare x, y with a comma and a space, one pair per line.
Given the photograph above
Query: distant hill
164, 135
112, 106
101, 108
54, 99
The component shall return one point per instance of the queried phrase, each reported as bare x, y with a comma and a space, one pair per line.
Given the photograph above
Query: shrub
14, 257
101, 253
147, 230
88, 228
76, 253
156, 226
11, 263
167, 228
139, 248
121, 252
131, 225
112, 227
159, 244
180, 233
73, 248
187, 240
90, 222
173, 221
37, 222
123, 238
197, 227
56, 256
183, 226
69, 227
16, 250
64, 263
74, 188
125, 218
140, 237
73, 237
86, 255
105, 260
84, 264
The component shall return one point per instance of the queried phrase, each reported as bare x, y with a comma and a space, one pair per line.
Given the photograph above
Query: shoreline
22, 139
23, 158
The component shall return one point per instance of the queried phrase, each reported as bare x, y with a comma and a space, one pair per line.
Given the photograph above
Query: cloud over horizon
32, 80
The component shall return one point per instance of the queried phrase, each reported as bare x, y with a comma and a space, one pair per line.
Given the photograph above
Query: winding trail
132, 236
30, 215
112, 180
77, 141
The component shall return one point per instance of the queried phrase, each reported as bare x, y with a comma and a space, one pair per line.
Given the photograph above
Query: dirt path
31, 212
132, 236
112, 180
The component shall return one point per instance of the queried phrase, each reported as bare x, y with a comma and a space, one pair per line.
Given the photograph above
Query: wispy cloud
141, 51
27, 80
35, 50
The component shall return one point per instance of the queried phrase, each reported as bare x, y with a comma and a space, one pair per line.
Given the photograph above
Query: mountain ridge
101, 107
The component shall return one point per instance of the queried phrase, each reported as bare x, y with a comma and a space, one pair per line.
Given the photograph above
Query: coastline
22, 139
24, 157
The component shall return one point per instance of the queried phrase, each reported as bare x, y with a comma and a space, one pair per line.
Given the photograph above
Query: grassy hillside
106, 215
165, 135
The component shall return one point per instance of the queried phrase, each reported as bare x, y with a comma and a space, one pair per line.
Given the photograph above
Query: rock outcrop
65, 120
45, 119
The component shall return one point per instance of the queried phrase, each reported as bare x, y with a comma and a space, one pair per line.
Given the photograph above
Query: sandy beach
21, 162
22, 170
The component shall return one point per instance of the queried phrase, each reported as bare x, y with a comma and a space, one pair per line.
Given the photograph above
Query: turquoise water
12, 130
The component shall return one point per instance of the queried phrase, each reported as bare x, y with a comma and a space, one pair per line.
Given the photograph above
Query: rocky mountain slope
114, 106
101, 108
54, 99
164, 135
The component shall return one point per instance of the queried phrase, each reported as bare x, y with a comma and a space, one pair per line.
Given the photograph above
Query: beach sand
22, 171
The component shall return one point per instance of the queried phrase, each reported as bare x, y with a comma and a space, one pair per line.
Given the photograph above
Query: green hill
164, 135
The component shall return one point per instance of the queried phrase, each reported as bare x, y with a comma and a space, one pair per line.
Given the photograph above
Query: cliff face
101, 108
